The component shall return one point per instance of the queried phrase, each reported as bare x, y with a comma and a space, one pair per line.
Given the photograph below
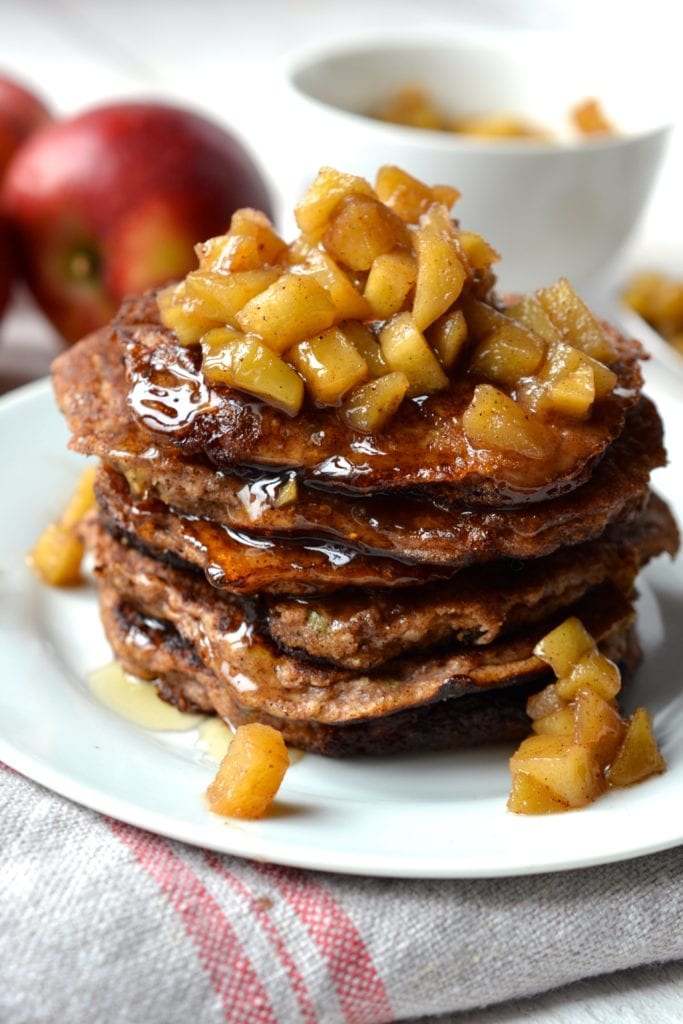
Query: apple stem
84, 265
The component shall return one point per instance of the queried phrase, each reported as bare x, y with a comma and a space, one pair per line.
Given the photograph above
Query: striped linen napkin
102, 922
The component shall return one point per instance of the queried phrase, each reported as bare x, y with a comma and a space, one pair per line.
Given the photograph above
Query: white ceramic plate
419, 816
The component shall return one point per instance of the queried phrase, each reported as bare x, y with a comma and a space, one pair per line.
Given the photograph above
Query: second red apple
111, 202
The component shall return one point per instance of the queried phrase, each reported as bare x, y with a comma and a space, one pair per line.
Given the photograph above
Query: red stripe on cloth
359, 987
232, 975
7, 768
295, 976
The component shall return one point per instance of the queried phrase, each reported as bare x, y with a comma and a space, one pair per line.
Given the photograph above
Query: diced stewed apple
220, 296
564, 646
571, 772
371, 406
250, 774
639, 756
556, 723
529, 311
597, 725
182, 315
56, 556
292, 308
391, 277
250, 244
329, 188
591, 671
570, 381
480, 255
407, 196
447, 336
82, 500
493, 420
348, 301
243, 361
330, 365
507, 352
574, 320
405, 350
529, 796
544, 702
361, 229
440, 271
362, 338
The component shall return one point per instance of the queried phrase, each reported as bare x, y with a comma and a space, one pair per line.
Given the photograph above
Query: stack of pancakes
361, 593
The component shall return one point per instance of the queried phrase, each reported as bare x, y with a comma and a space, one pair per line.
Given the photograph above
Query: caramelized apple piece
590, 119
529, 796
593, 671
361, 229
529, 311
440, 271
329, 364
82, 500
362, 338
408, 197
57, 555
575, 321
250, 244
507, 351
243, 361
570, 381
480, 255
556, 723
564, 646
182, 315
329, 188
493, 420
597, 725
544, 702
290, 309
570, 772
391, 277
372, 405
348, 302
219, 297
639, 756
250, 774
447, 336
405, 350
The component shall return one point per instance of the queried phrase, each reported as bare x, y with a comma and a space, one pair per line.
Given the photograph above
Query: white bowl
551, 208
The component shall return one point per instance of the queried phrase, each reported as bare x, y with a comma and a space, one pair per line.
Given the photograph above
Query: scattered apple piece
440, 272
574, 320
639, 756
571, 772
448, 336
57, 554
391, 277
594, 671
564, 646
219, 296
361, 229
407, 196
529, 796
250, 774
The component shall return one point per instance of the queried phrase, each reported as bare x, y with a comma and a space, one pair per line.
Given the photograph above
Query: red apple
111, 202
20, 114
6, 266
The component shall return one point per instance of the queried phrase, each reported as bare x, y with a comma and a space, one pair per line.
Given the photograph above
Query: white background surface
223, 57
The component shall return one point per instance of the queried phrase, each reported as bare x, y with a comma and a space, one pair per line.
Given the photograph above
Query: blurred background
226, 58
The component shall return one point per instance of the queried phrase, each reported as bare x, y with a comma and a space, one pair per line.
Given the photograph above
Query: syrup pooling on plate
138, 701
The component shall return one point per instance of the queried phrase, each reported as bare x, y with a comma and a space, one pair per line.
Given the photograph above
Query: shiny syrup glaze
423, 446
